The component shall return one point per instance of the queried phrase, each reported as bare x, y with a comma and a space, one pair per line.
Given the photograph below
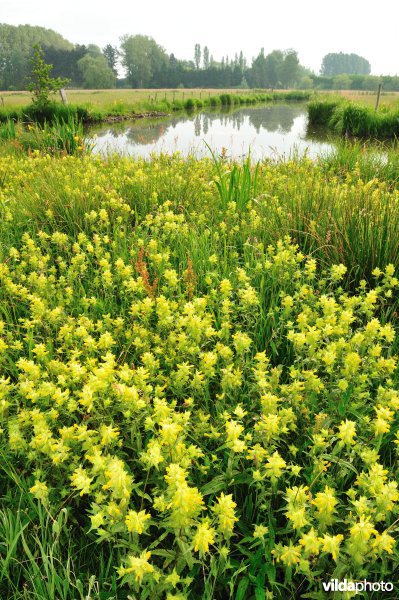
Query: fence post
63, 96
378, 96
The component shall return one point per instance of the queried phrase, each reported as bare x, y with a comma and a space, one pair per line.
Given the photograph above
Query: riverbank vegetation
162, 102
198, 393
355, 119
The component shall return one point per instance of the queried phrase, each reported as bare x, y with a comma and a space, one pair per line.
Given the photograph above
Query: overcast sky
312, 27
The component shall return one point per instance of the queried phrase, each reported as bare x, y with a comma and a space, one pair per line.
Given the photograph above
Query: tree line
147, 65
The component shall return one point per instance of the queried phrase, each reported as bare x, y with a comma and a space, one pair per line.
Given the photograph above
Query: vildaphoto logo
334, 585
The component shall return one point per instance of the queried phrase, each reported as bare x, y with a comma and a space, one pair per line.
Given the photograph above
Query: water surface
276, 131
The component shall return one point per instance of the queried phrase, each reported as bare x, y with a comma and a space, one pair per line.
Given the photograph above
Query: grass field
102, 98
198, 392
369, 98
131, 97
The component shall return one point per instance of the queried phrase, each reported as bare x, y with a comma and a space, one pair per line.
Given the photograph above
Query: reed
354, 119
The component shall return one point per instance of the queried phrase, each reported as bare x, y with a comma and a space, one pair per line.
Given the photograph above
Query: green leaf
186, 552
340, 461
259, 594
217, 484
271, 572
242, 588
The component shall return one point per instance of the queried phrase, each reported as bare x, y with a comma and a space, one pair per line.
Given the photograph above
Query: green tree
242, 62
143, 60
289, 69
337, 63
206, 58
16, 44
272, 68
342, 82
111, 54
197, 56
41, 84
306, 82
259, 70
96, 72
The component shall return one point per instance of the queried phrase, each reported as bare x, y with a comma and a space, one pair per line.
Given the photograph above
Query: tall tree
337, 63
289, 68
16, 44
143, 59
259, 78
96, 72
241, 62
206, 58
111, 54
197, 56
273, 65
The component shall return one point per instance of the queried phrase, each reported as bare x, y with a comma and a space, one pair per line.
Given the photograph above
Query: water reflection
267, 131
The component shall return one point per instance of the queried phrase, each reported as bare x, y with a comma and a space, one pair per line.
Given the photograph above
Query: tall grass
235, 183
57, 136
320, 112
349, 118
370, 160
8, 130
42, 555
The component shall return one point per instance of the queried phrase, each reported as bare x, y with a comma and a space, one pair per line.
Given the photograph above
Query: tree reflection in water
242, 126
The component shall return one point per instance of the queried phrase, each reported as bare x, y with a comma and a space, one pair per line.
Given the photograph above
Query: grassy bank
198, 393
139, 104
54, 137
349, 118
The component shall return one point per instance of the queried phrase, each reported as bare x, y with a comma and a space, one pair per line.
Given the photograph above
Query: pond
275, 131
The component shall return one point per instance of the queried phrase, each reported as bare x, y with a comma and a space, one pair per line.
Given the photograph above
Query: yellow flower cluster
194, 402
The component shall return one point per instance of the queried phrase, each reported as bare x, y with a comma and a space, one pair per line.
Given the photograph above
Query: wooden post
2, 101
378, 96
63, 96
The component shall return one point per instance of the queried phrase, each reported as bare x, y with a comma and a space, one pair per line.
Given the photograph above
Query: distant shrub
55, 111
320, 112
177, 105
226, 99
189, 104
10, 113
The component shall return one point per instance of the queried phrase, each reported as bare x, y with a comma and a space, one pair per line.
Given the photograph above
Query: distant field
127, 96
368, 98
102, 98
